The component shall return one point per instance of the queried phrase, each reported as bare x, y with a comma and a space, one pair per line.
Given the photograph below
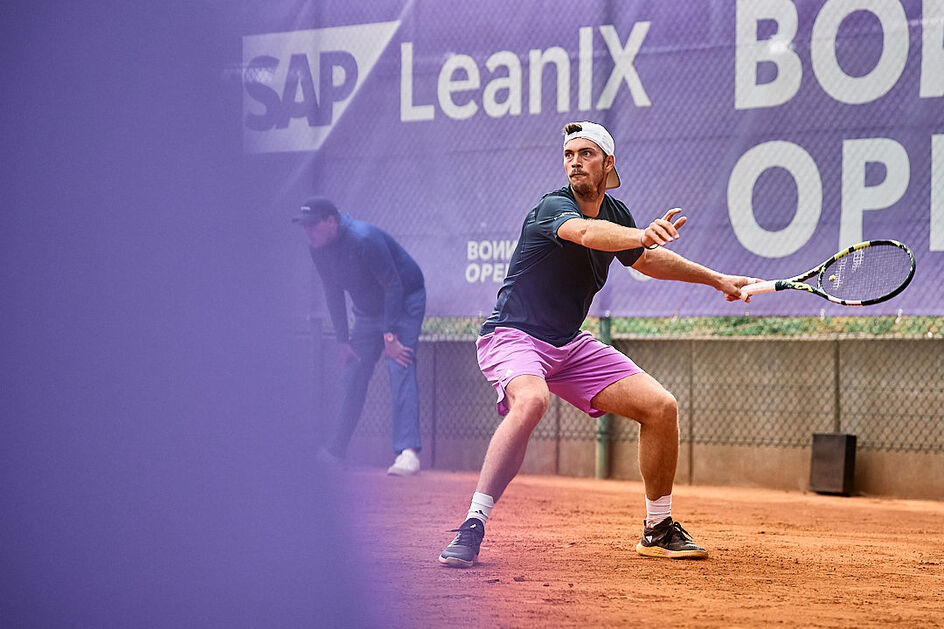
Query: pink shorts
575, 372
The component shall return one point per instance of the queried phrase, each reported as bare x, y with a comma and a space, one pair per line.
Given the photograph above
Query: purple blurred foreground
155, 432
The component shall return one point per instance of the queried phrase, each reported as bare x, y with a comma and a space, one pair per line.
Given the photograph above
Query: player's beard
587, 189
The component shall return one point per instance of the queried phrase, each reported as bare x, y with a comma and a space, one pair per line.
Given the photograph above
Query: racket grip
758, 287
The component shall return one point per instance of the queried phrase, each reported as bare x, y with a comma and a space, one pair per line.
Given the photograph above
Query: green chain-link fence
740, 391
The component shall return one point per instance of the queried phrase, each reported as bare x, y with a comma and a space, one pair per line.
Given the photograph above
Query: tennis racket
864, 274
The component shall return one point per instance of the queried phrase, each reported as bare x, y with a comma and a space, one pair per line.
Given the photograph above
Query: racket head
866, 273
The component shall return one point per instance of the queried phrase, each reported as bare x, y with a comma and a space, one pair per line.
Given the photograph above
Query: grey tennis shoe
464, 549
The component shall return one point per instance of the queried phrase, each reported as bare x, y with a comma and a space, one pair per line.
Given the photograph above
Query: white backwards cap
597, 134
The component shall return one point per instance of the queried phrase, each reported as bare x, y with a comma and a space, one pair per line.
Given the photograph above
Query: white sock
657, 510
481, 508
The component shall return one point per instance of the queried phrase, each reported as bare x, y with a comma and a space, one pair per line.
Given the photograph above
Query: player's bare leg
527, 398
642, 398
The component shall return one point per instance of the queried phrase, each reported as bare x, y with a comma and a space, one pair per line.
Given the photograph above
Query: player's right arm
606, 236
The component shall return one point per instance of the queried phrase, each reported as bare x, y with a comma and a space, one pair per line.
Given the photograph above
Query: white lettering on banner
409, 113
750, 52
932, 49
536, 61
584, 68
448, 85
623, 69
858, 154
486, 272
511, 83
297, 85
857, 197
875, 84
460, 78
747, 170
490, 249
487, 251
937, 193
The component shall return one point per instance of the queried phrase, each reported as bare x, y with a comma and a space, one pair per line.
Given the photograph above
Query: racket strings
867, 273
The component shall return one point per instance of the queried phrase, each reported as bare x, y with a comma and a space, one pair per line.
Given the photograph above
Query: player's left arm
662, 264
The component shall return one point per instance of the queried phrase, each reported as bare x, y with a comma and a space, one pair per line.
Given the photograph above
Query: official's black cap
315, 209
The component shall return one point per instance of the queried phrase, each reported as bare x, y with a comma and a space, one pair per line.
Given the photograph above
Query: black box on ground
832, 468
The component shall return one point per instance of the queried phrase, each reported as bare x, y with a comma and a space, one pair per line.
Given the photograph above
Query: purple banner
785, 129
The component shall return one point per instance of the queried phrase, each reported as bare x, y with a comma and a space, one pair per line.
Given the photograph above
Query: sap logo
297, 85
281, 109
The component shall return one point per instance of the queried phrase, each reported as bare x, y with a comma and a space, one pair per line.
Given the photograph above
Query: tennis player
532, 345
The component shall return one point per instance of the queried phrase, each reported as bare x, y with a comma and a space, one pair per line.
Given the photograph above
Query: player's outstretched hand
731, 285
663, 230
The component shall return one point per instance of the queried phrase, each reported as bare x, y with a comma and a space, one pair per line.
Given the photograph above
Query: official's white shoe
406, 464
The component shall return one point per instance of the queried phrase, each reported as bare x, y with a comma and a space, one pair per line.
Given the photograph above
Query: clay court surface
559, 552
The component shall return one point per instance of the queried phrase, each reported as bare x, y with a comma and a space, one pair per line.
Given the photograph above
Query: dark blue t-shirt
551, 282
372, 267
